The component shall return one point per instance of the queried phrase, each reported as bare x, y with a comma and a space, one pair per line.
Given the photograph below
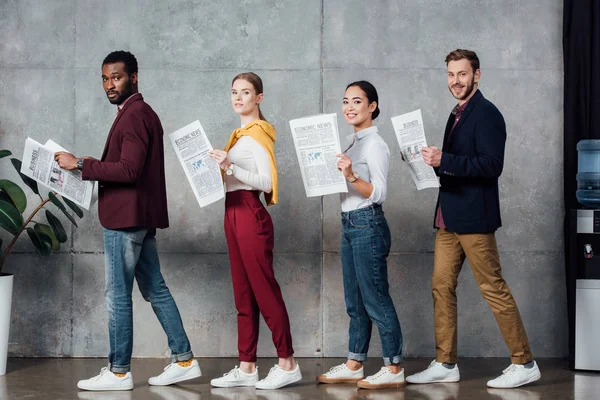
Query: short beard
468, 92
123, 95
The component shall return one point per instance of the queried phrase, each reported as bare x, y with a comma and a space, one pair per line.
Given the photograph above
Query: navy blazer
472, 161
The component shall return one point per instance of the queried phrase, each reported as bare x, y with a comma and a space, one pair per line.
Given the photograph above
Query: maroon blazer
131, 172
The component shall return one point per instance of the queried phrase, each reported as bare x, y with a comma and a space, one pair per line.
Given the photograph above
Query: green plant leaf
41, 241
57, 227
16, 194
61, 207
28, 181
10, 218
43, 228
4, 196
73, 207
56, 201
5, 153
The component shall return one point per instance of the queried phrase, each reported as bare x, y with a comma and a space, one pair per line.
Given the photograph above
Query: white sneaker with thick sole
174, 373
341, 374
235, 378
278, 378
106, 380
384, 379
516, 375
436, 372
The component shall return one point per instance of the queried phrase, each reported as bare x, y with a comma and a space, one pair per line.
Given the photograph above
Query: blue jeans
365, 246
132, 253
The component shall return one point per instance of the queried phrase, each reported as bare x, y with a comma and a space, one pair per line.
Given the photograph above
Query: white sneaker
234, 378
106, 380
278, 378
516, 375
174, 373
436, 372
341, 374
384, 379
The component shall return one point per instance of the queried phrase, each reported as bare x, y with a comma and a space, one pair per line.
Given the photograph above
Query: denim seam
112, 293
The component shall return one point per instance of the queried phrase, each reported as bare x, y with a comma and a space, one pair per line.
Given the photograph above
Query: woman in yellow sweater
249, 164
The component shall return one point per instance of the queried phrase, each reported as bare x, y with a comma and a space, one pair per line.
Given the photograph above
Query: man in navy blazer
467, 215
132, 204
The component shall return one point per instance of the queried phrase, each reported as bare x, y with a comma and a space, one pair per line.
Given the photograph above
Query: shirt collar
458, 109
363, 133
120, 106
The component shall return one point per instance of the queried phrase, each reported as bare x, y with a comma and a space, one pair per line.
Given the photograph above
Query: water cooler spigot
588, 252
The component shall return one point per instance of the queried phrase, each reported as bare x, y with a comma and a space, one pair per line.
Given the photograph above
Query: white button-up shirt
370, 157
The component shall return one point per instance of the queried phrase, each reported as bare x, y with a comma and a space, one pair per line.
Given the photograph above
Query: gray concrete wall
306, 52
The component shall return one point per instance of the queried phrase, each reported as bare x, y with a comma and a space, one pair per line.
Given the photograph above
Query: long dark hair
370, 92
256, 82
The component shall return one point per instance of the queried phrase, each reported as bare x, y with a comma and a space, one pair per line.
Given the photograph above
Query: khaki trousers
482, 252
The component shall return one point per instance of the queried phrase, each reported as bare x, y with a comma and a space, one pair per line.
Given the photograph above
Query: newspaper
317, 143
55, 147
38, 164
203, 173
411, 138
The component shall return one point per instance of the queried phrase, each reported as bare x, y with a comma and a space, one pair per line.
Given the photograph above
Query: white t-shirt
252, 166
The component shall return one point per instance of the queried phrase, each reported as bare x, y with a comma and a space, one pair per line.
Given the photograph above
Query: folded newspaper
317, 144
38, 164
411, 138
204, 175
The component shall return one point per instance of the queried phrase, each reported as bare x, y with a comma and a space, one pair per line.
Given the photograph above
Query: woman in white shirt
366, 243
249, 164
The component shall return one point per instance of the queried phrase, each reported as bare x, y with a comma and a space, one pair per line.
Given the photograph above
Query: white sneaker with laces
106, 380
384, 379
234, 378
174, 373
278, 378
436, 372
516, 375
341, 374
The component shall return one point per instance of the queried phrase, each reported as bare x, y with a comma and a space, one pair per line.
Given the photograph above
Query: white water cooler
587, 291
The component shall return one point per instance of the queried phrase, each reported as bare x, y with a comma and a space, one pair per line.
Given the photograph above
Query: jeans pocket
360, 222
137, 236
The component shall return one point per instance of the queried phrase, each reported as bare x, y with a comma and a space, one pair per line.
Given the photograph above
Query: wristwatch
229, 170
80, 164
355, 176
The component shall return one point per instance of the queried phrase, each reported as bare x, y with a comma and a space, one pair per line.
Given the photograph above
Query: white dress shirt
252, 166
370, 157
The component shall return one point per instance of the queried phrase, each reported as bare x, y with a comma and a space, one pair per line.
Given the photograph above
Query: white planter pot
6, 288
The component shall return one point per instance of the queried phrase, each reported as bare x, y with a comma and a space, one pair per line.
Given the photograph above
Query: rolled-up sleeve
378, 161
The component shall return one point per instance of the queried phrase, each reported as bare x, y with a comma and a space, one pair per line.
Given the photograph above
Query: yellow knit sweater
264, 134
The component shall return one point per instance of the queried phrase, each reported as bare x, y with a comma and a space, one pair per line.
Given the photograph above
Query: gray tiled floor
56, 379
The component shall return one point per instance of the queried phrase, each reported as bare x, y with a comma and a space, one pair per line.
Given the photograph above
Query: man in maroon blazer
132, 204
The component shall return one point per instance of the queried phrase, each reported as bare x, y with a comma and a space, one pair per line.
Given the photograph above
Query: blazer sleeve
490, 140
134, 147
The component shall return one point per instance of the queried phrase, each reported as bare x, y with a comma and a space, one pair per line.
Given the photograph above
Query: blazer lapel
463, 116
135, 97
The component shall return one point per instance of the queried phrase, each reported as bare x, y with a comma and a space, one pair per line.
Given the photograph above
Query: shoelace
235, 372
103, 371
337, 368
274, 372
431, 365
511, 370
379, 374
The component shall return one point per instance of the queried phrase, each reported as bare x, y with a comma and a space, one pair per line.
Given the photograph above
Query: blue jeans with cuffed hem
132, 254
366, 243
